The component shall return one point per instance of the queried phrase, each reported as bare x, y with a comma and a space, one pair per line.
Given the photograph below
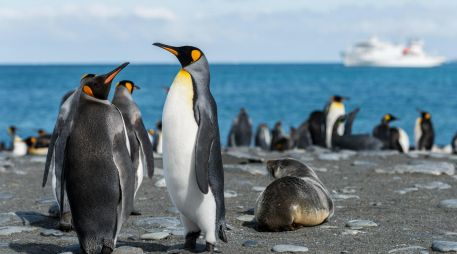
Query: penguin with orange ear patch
97, 171
141, 149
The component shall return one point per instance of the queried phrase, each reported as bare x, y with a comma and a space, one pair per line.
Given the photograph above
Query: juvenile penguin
394, 138
18, 146
424, 135
279, 141
296, 198
141, 149
263, 137
333, 110
192, 151
241, 131
97, 172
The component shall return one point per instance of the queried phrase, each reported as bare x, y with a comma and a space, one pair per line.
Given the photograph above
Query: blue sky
56, 31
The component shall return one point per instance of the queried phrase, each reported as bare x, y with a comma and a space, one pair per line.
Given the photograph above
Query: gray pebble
250, 243
351, 232
51, 232
155, 236
161, 183
407, 250
289, 248
363, 163
5, 196
230, 194
178, 232
6, 231
245, 218
334, 156
338, 196
258, 188
433, 185
444, 246
448, 203
128, 250
360, 224
157, 222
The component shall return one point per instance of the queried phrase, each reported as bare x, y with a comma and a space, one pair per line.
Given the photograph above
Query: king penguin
192, 151
97, 171
18, 146
241, 131
424, 135
263, 137
382, 130
141, 150
333, 110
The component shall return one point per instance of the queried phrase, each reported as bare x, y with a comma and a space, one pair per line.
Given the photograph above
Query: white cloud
154, 13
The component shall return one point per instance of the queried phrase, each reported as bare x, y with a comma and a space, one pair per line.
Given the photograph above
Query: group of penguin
99, 150
332, 128
33, 145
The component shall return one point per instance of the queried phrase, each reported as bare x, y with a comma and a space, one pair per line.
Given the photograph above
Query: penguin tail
222, 228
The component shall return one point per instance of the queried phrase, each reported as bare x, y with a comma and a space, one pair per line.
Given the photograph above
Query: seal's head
289, 167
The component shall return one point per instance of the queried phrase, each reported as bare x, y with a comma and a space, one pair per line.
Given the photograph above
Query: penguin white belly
179, 133
160, 144
404, 140
20, 148
266, 134
336, 110
417, 133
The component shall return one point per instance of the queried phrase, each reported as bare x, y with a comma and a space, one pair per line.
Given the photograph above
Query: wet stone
253, 169
408, 250
406, 190
29, 218
230, 194
128, 250
51, 232
426, 167
444, 246
340, 196
258, 188
5, 196
357, 224
334, 156
6, 231
434, 185
289, 248
157, 222
245, 218
351, 232
161, 183
363, 163
250, 243
155, 236
448, 203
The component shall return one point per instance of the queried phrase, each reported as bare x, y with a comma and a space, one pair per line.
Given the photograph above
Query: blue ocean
30, 95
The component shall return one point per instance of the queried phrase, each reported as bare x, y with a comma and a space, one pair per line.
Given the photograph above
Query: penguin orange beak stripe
167, 48
110, 76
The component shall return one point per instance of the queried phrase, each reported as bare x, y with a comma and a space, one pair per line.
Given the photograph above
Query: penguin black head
387, 118
129, 85
338, 98
98, 86
12, 130
186, 55
425, 116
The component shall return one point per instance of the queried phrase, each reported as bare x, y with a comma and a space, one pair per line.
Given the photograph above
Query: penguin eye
196, 54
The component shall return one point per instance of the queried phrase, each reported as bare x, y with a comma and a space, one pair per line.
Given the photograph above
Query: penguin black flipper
350, 121
146, 149
203, 145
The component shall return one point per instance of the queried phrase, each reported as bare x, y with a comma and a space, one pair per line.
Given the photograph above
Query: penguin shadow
35, 248
36, 219
249, 224
179, 249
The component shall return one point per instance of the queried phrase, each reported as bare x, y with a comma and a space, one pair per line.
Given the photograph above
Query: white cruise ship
378, 53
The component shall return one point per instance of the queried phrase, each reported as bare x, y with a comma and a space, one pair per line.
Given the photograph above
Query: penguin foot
191, 240
210, 248
135, 212
65, 222
106, 250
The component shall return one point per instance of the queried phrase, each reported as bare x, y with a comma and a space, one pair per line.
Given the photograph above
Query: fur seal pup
295, 199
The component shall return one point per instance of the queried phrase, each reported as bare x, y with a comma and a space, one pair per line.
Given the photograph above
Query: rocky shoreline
386, 202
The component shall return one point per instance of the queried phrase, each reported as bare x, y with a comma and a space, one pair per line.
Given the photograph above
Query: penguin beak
168, 48
136, 87
393, 118
111, 75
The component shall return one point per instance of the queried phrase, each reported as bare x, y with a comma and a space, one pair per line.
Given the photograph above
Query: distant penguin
382, 130
279, 141
333, 110
303, 137
351, 141
151, 133
454, 144
316, 127
157, 144
18, 146
98, 174
399, 140
141, 149
296, 198
263, 137
192, 157
240, 133
424, 135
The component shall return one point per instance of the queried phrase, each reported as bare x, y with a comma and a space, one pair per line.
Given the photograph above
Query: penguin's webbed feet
210, 248
191, 240
65, 222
